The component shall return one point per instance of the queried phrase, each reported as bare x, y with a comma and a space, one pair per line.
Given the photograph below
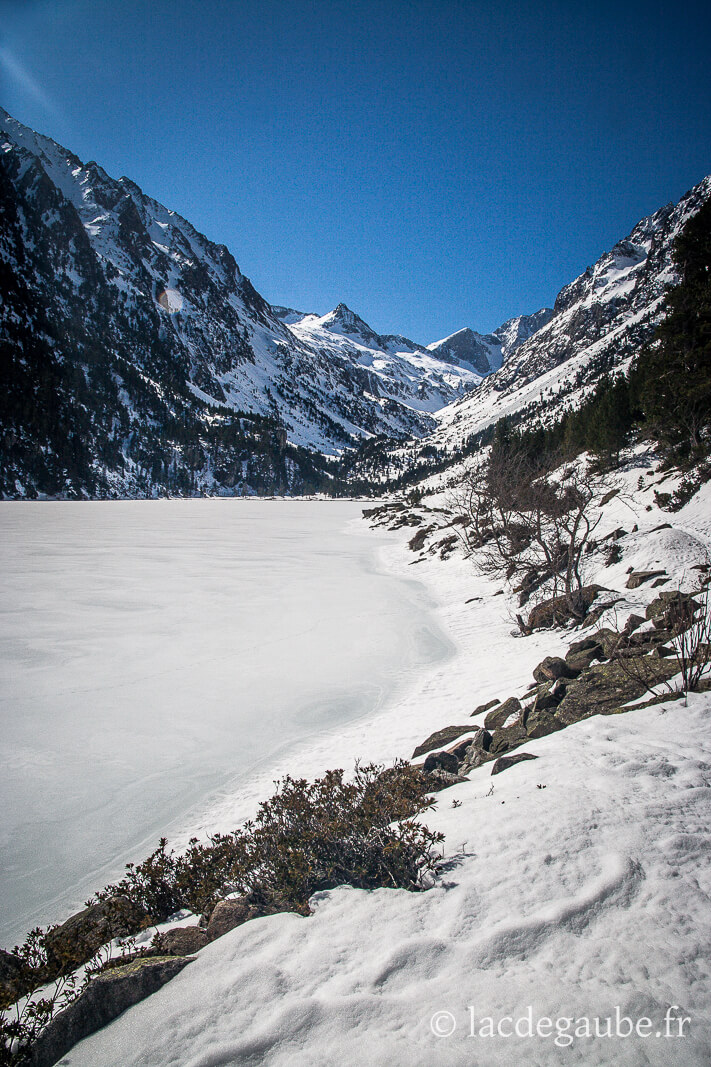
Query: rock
478, 752
460, 748
633, 623
610, 641
496, 719
445, 761
638, 578
441, 737
484, 707
553, 667
549, 695
659, 582
504, 762
16, 979
227, 914
539, 722
417, 543
581, 660
180, 941
604, 688
581, 646
555, 611
672, 599
104, 999
82, 935
508, 738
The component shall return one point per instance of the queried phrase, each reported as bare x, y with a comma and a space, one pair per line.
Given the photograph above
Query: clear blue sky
432, 163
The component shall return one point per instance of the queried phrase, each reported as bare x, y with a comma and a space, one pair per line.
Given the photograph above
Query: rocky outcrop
104, 999
604, 688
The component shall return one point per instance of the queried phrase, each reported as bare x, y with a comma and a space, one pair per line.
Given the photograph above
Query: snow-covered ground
156, 654
577, 888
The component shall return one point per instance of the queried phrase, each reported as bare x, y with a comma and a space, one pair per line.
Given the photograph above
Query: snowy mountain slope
487, 352
121, 291
598, 323
576, 885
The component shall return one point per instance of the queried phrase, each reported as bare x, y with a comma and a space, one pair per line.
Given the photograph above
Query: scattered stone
496, 719
180, 941
484, 707
608, 497
553, 667
82, 935
504, 762
439, 738
659, 582
638, 578
104, 999
227, 914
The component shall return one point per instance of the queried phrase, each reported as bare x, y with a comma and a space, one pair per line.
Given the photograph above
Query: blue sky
434, 165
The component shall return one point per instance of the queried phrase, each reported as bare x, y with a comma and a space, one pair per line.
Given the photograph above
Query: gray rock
440, 779
638, 578
553, 667
540, 721
604, 688
227, 914
484, 707
555, 611
441, 737
104, 999
180, 941
633, 623
504, 762
496, 719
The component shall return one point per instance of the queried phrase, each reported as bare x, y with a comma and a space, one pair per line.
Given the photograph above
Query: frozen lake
154, 652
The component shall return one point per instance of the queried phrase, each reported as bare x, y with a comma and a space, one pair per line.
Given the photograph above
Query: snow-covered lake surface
155, 655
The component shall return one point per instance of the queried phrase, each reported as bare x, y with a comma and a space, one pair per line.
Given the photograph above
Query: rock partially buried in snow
181, 941
484, 707
553, 667
444, 761
103, 1000
495, 720
227, 914
441, 737
82, 935
504, 762
604, 688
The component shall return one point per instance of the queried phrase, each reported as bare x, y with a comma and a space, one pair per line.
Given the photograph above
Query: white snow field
153, 653
578, 885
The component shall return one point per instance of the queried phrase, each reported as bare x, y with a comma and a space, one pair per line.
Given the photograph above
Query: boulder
104, 999
638, 578
507, 738
553, 667
581, 660
605, 687
227, 914
555, 611
439, 780
180, 941
484, 707
539, 722
633, 623
445, 761
582, 646
16, 978
478, 752
441, 737
669, 603
504, 762
82, 935
495, 720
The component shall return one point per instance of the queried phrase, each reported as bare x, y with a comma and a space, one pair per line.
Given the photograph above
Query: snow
155, 653
576, 886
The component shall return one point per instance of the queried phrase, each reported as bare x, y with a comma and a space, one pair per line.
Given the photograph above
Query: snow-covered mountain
487, 352
137, 324
598, 323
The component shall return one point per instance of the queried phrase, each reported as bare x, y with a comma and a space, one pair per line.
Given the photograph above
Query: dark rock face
540, 721
227, 914
441, 737
104, 999
506, 738
82, 935
181, 941
504, 762
638, 578
15, 979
